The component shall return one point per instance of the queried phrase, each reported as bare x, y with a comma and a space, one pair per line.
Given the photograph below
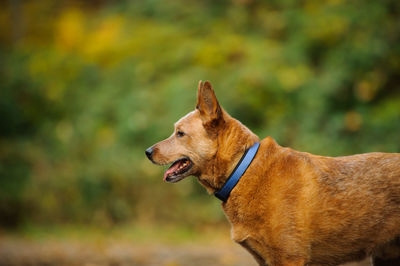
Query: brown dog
289, 207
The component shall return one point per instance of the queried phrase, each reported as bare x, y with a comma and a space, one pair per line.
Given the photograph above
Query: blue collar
237, 173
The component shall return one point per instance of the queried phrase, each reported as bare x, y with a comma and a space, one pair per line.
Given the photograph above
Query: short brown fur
290, 207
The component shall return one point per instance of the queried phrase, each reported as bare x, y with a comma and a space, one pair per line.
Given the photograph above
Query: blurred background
87, 86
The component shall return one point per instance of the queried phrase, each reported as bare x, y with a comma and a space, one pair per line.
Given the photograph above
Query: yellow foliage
293, 77
105, 136
103, 40
327, 27
70, 29
215, 51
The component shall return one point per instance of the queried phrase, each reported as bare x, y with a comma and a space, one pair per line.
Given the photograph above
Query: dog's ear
207, 104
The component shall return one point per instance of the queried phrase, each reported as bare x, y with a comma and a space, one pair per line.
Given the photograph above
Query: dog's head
205, 143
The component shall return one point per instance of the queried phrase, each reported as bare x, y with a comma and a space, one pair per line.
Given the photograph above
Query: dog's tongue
170, 170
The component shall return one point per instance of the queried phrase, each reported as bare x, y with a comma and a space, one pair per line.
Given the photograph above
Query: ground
132, 246
25, 252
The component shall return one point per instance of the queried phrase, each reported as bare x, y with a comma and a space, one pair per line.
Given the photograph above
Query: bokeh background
87, 86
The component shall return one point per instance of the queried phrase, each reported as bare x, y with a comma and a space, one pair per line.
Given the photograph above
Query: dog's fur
290, 207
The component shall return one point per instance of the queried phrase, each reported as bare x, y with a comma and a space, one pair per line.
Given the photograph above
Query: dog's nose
149, 152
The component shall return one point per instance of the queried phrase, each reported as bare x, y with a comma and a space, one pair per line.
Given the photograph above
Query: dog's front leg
292, 262
277, 259
254, 253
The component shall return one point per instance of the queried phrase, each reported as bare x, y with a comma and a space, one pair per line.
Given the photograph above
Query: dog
287, 207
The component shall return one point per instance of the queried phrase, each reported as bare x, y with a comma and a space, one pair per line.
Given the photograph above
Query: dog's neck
232, 144
240, 169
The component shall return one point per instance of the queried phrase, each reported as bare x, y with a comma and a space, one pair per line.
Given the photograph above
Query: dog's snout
149, 153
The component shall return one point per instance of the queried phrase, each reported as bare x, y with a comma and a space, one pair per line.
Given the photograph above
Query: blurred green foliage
86, 86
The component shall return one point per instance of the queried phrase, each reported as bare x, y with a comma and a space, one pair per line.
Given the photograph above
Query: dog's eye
180, 134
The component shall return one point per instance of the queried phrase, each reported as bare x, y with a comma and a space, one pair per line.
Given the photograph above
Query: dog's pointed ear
208, 106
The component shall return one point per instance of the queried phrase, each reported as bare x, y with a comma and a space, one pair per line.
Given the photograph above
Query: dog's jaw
179, 169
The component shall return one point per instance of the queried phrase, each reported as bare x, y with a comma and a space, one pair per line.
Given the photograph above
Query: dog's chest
245, 222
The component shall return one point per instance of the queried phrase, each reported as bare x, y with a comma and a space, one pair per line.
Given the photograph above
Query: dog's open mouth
177, 170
